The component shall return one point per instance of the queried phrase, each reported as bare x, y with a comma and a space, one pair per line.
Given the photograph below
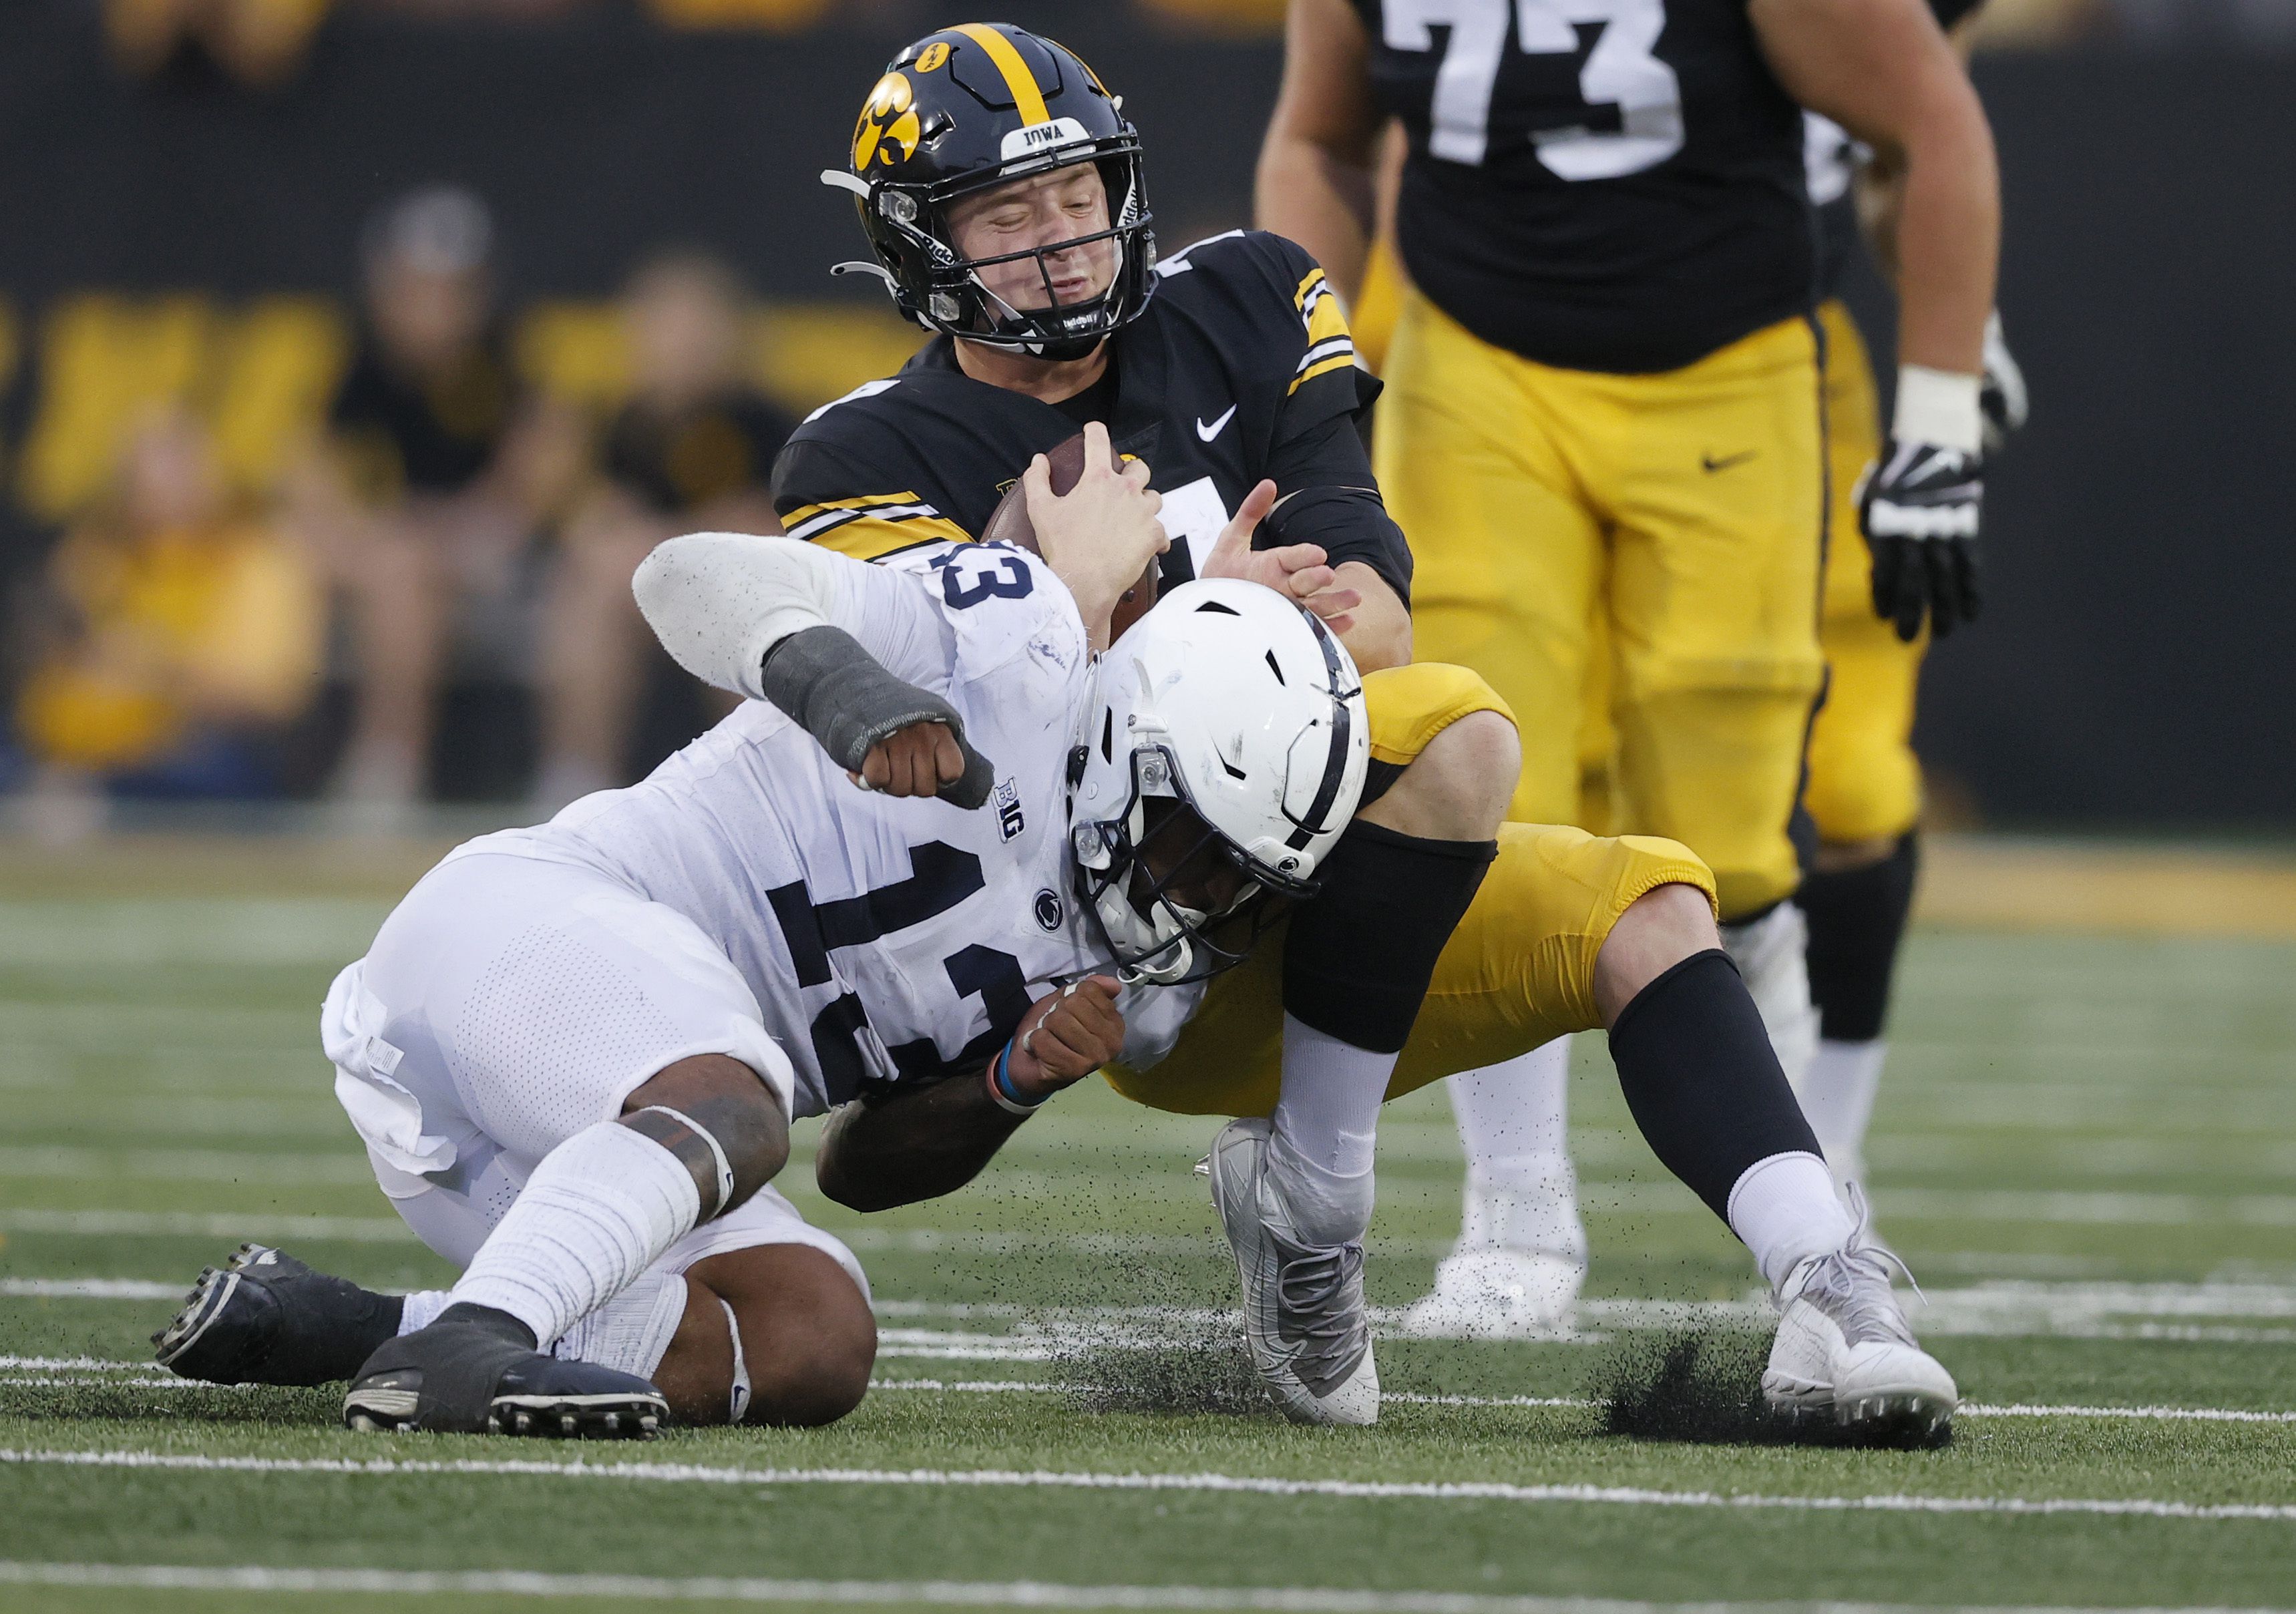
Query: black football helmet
969, 108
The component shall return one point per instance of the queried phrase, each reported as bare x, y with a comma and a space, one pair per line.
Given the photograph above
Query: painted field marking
948, 1593
96, 1371
1351, 1490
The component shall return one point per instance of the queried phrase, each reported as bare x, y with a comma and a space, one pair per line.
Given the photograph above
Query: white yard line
87, 1372
1352, 1490
947, 1593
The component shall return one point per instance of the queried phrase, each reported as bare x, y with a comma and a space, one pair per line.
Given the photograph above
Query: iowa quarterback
1004, 196
1603, 423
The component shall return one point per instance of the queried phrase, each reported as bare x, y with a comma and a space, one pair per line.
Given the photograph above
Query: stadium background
179, 231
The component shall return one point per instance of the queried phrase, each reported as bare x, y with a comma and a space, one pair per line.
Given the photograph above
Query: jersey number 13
1623, 83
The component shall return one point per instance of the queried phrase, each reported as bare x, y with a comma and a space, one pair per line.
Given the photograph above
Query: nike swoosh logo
1209, 432
1712, 463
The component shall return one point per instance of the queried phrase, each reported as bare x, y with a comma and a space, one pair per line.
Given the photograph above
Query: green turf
2060, 1115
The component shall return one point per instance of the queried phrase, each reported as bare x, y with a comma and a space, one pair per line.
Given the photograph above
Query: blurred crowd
260, 44
445, 522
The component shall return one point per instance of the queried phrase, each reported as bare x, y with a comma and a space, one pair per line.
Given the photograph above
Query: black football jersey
1598, 185
672, 463
1240, 368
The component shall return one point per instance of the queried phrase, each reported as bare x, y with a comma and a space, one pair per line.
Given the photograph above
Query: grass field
2086, 1148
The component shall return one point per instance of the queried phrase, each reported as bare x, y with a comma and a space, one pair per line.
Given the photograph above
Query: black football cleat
475, 1372
265, 1318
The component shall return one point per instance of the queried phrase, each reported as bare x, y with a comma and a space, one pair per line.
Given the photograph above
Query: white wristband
1938, 407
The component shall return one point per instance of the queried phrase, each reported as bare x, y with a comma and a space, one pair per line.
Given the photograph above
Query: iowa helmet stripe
1027, 98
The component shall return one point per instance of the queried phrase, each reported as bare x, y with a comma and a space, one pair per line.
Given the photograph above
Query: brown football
1009, 523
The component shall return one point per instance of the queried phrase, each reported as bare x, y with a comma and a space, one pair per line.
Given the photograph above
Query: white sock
1838, 1097
602, 1207
631, 1332
1325, 1122
1517, 1108
1772, 956
420, 1309
1521, 1193
1783, 1208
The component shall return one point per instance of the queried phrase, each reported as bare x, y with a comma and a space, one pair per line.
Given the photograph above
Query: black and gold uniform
434, 435
672, 462
1241, 368
1602, 413
1864, 782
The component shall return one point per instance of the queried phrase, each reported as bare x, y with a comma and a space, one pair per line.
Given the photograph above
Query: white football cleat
1304, 1316
1844, 1351
1516, 1272
1498, 1294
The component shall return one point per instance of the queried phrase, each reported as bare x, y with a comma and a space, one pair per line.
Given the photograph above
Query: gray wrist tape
838, 693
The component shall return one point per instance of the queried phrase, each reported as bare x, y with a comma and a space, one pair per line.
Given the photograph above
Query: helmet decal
932, 56
889, 124
1027, 99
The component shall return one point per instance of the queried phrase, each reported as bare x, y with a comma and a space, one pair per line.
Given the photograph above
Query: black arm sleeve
1332, 498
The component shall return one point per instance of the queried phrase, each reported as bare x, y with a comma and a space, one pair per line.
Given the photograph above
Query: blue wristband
1001, 1089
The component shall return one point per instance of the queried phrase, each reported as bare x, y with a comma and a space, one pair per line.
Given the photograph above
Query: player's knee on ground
807, 1337
1457, 788
1659, 930
720, 1119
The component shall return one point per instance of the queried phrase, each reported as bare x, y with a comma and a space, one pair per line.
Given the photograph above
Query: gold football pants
1518, 971
1683, 512
1864, 783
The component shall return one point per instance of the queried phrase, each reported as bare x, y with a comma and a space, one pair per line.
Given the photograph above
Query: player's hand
917, 760
1300, 572
1919, 506
2002, 400
1066, 1036
1100, 536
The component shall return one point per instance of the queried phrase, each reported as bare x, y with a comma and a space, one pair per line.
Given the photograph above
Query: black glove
843, 697
1919, 508
2002, 399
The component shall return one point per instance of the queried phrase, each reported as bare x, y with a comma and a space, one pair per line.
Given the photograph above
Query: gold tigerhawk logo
888, 125
932, 56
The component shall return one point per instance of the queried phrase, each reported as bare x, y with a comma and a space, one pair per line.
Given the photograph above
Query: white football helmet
1228, 700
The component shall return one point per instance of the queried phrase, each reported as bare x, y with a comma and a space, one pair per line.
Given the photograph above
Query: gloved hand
2003, 397
1920, 507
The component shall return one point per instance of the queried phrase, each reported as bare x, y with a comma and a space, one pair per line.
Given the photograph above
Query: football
1009, 523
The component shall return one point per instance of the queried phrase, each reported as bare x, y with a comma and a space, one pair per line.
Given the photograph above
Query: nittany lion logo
889, 126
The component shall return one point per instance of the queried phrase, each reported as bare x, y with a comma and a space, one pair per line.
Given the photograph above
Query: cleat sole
621, 1416
201, 1306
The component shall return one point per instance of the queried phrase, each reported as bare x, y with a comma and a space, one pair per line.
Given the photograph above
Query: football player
1002, 192
1865, 786
1604, 423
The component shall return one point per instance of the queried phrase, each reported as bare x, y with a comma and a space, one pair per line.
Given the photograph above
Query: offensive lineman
1603, 424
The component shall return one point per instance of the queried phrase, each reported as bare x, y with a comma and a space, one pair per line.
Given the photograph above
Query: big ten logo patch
1009, 817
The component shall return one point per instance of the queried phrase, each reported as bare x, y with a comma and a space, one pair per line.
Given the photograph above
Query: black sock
1362, 950
1702, 1080
1857, 919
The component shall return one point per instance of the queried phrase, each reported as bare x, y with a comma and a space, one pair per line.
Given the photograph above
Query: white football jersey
883, 938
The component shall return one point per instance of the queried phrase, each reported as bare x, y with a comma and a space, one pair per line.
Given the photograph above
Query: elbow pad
838, 693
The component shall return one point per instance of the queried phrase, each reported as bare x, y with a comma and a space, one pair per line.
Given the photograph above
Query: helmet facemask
1136, 870
944, 290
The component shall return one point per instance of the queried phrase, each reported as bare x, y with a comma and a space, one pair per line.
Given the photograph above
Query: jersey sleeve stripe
862, 501
829, 519
869, 538
1342, 345
1309, 284
1345, 361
